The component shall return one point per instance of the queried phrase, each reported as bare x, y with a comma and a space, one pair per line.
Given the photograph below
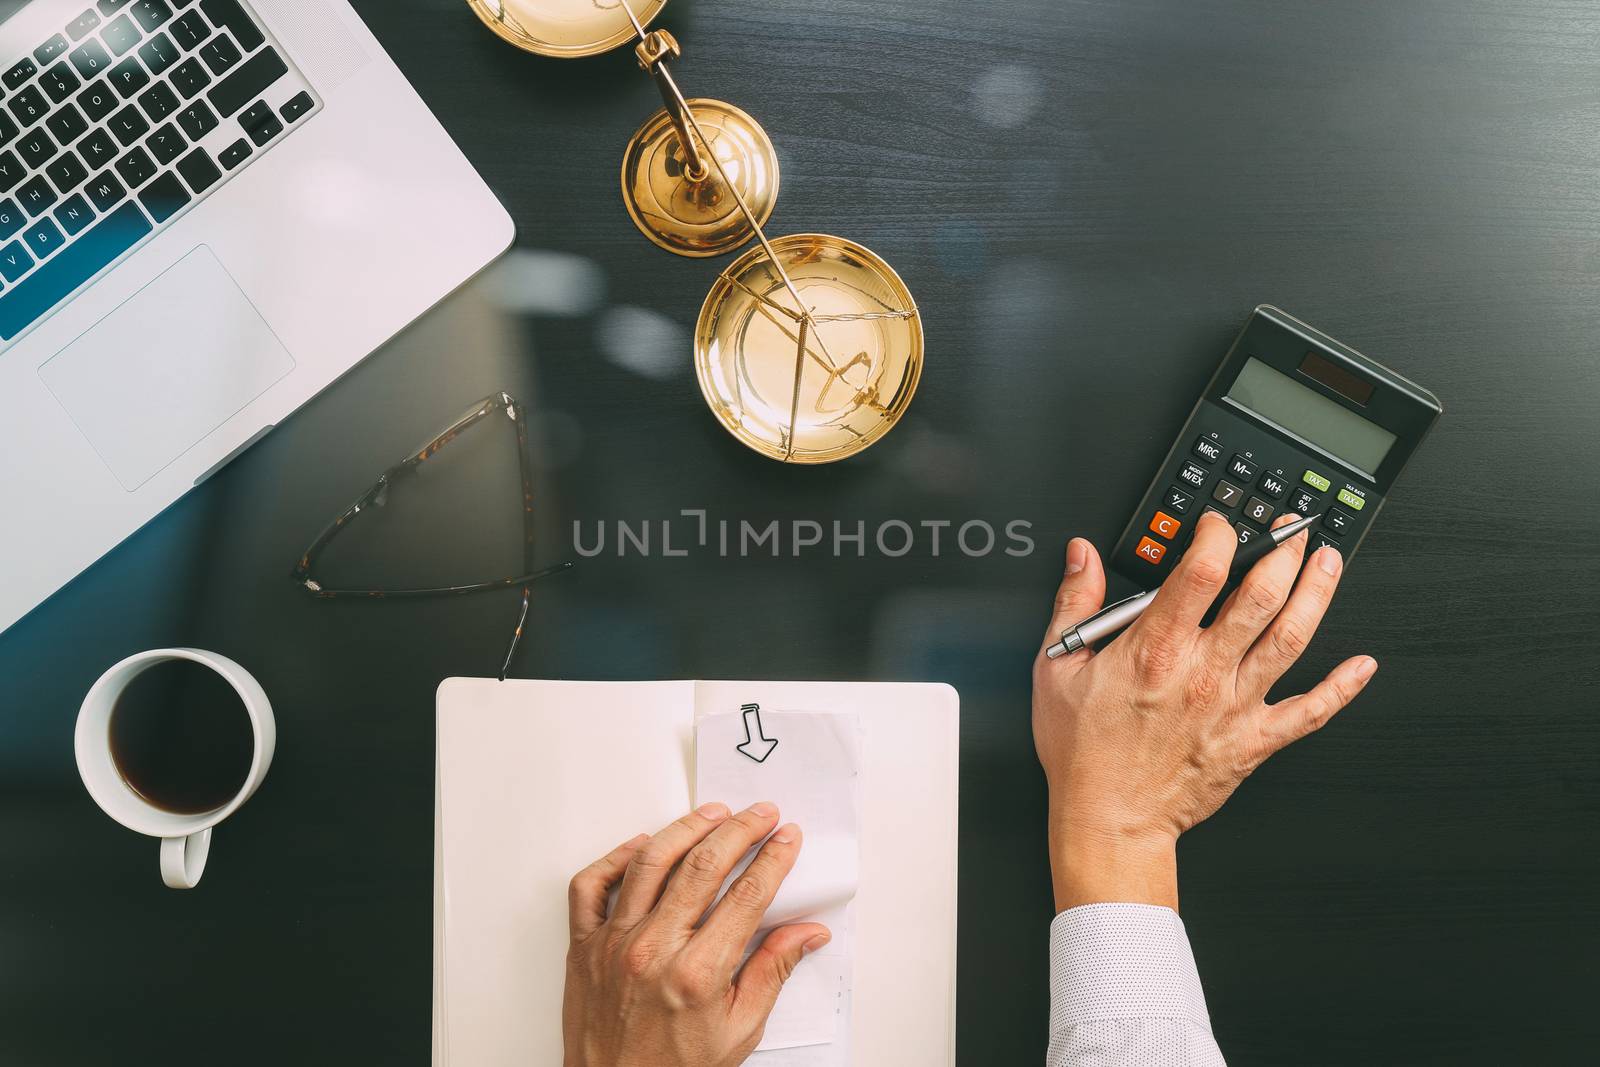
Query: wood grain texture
1086, 198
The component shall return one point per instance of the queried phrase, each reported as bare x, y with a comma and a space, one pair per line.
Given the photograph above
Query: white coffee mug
185, 839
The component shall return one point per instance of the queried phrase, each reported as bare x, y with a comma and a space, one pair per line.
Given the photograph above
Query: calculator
1293, 421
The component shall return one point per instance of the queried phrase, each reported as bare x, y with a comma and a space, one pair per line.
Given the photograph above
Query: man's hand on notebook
1146, 738
650, 985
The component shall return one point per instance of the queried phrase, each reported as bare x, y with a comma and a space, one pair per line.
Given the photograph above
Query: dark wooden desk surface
1087, 198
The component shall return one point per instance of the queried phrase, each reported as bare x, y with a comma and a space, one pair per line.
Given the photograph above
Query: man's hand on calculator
1150, 736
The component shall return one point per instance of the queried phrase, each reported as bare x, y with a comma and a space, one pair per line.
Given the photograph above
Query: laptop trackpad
178, 359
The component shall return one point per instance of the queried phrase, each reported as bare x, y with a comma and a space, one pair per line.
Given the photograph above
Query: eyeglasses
377, 496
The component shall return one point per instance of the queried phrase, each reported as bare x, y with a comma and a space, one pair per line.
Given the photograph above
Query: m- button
1165, 525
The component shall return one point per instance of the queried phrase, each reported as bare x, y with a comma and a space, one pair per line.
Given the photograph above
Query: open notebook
536, 779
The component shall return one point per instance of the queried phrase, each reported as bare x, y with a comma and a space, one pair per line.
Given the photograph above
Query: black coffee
181, 738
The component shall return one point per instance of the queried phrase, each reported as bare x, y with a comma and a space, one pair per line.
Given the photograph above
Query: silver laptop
209, 210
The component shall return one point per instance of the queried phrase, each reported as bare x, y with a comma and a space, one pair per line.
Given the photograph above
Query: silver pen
1108, 620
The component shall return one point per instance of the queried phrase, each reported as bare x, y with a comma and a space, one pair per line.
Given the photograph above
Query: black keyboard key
159, 53
158, 101
190, 77
231, 17
14, 261
28, 106
164, 197
67, 173
20, 75
8, 128
120, 35
111, 7
97, 101
36, 148
199, 170
166, 144
91, 253
265, 131
11, 171
296, 107
99, 149
59, 82
11, 219
105, 190
67, 124
43, 238
136, 168
129, 125
256, 114
52, 48
151, 14
128, 77
190, 31
78, 27
221, 55
74, 214
90, 59
197, 120
248, 82
37, 196
235, 154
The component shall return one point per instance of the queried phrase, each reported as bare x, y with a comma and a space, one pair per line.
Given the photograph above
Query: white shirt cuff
1122, 961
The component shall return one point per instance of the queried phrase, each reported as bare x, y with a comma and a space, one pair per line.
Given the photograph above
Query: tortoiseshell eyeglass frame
376, 496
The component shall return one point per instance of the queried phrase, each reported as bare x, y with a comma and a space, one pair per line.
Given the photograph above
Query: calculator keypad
1165, 525
1249, 477
1258, 511
1273, 486
1227, 494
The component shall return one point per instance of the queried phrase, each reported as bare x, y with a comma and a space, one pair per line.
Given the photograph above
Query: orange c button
1165, 525
1150, 551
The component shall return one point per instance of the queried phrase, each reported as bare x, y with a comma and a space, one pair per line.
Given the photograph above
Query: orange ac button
1165, 525
1150, 551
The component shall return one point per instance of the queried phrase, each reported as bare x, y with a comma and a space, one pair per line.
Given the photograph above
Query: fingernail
1366, 669
787, 834
1077, 555
713, 811
1328, 559
765, 809
817, 942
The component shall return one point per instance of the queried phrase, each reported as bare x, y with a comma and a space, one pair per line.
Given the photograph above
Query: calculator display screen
1309, 415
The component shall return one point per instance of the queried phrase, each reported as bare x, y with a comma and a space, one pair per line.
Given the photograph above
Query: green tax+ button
1317, 481
1351, 501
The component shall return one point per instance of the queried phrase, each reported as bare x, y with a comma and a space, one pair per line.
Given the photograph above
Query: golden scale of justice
808, 347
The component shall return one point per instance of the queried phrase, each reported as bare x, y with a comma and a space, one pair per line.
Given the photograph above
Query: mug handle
183, 859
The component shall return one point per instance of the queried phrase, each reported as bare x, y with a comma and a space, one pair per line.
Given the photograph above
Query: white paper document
809, 765
538, 779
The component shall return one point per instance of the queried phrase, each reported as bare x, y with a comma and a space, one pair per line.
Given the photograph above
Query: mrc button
1207, 449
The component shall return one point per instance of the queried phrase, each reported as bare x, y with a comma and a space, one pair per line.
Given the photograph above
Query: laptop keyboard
109, 130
